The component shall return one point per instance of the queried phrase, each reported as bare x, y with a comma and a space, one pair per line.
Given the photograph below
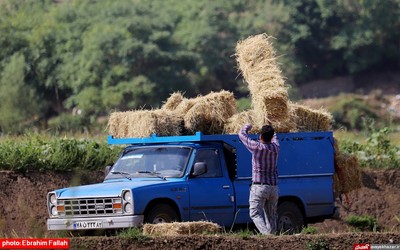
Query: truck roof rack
227, 138
198, 137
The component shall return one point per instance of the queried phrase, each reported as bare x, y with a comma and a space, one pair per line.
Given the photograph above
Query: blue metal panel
315, 192
306, 153
301, 153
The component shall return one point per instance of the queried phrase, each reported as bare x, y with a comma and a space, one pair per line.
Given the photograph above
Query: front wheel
290, 218
161, 214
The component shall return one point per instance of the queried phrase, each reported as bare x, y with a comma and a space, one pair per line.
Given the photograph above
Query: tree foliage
104, 55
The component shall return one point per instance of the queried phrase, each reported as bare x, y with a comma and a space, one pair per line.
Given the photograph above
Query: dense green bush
377, 151
103, 55
362, 223
36, 153
350, 112
319, 244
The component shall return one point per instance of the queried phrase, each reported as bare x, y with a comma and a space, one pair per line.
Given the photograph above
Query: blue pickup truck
198, 177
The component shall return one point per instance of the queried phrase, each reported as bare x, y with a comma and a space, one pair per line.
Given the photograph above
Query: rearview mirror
199, 168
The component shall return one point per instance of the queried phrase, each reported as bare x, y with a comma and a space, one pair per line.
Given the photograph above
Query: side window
211, 158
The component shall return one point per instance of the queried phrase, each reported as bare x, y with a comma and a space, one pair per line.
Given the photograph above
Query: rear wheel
290, 218
161, 214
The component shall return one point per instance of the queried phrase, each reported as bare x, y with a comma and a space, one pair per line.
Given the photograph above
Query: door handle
226, 186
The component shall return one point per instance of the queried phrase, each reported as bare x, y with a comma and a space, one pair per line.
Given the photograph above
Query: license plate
88, 224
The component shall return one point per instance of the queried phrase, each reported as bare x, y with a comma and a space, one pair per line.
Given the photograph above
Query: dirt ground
23, 214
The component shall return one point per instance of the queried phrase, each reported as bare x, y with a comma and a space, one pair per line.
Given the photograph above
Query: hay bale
210, 113
271, 104
237, 121
307, 119
185, 105
144, 123
347, 173
284, 126
257, 62
113, 125
173, 101
181, 228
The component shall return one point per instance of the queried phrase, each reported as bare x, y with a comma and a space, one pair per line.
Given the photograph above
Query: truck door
212, 193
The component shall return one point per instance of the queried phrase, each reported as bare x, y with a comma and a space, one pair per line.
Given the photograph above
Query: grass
319, 244
363, 222
374, 148
42, 152
361, 136
135, 233
309, 230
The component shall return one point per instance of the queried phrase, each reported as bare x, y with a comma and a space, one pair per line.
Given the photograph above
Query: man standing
264, 190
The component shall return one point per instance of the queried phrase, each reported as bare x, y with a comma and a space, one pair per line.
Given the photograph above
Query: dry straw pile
181, 228
235, 122
177, 116
307, 119
143, 123
210, 113
207, 114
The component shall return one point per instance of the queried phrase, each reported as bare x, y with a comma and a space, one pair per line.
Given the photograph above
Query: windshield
151, 161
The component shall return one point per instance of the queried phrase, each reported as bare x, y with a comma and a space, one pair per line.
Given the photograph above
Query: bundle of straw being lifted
257, 62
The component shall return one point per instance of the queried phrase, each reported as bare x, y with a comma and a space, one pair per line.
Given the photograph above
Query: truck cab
198, 177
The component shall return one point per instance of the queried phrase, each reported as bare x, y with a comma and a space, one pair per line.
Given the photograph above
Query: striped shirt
264, 157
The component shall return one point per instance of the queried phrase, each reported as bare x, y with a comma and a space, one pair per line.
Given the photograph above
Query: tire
290, 218
161, 214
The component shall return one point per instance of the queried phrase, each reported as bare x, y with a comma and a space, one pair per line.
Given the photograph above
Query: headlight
127, 196
127, 201
54, 210
128, 208
53, 199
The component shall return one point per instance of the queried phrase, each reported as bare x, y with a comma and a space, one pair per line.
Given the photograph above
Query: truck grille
90, 207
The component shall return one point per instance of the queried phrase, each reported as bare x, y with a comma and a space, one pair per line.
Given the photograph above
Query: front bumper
106, 222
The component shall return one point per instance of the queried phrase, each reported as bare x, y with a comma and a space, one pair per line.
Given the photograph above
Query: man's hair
267, 132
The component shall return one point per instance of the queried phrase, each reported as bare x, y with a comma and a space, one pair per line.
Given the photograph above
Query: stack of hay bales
177, 116
207, 114
144, 123
181, 228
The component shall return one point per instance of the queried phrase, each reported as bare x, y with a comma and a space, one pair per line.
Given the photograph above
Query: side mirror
107, 170
199, 168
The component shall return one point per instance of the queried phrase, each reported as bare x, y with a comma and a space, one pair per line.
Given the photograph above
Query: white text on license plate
88, 224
